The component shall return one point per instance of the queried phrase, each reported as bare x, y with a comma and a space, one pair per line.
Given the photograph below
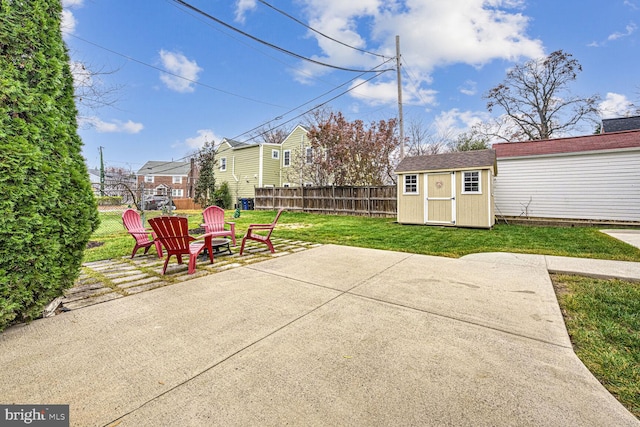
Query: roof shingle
448, 161
604, 141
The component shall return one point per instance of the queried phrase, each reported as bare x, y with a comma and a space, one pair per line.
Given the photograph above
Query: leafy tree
536, 100
222, 196
469, 141
48, 209
352, 153
206, 183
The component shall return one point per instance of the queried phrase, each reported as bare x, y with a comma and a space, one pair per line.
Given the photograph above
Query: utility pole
400, 116
101, 172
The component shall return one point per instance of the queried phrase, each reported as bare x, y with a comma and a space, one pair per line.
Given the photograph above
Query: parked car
152, 203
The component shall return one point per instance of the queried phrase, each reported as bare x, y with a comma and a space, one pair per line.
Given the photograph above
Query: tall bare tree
269, 134
422, 140
536, 100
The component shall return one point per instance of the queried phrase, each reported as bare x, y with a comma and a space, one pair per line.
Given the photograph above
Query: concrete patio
329, 335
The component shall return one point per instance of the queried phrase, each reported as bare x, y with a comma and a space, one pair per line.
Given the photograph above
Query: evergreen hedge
47, 209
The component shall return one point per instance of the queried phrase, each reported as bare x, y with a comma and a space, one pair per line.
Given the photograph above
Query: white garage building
594, 177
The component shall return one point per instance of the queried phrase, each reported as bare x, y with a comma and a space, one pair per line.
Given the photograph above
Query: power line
318, 32
317, 97
323, 103
173, 74
378, 73
271, 45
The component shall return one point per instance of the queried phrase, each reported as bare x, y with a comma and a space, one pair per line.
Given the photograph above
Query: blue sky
453, 52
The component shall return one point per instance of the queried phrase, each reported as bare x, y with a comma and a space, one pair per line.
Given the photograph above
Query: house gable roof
604, 141
484, 159
236, 144
153, 167
620, 124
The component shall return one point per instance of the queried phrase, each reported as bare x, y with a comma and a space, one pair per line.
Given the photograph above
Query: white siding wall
604, 186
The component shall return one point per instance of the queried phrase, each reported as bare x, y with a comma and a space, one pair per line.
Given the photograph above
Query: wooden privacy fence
182, 204
364, 201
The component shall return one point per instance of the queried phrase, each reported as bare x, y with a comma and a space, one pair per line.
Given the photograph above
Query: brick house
159, 178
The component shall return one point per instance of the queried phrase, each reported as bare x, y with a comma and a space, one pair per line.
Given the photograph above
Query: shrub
222, 196
48, 209
109, 200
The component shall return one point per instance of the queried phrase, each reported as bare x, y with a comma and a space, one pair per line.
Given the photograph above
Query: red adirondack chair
133, 223
264, 238
173, 233
214, 222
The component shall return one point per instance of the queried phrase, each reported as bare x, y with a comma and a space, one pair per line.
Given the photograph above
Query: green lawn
384, 233
603, 320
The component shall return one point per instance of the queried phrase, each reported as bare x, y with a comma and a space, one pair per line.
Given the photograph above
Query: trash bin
251, 204
245, 204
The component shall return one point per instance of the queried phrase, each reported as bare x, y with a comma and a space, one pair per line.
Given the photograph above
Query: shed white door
441, 201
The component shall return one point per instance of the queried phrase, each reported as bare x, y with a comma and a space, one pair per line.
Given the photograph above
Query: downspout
260, 165
233, 169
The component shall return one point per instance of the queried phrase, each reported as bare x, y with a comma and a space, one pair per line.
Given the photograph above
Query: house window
177, 180
275, 154
148, 178
471, 182
411, 184
223, 164
177, 192
286, 158
309, 156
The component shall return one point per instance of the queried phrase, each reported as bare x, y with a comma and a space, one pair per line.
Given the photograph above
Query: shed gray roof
153, 167
620, 124
449, 161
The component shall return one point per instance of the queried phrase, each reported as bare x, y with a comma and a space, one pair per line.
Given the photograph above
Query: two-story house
245, 166
160, 178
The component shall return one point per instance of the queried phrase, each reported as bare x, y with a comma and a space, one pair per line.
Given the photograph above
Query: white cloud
116, 126
432, 34
68, 22
386, 92
469, 88
615, 105
629, 29
203, 135
454, 122
184, 72
242, 6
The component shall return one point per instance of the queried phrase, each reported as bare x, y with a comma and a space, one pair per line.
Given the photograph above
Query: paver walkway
107, 280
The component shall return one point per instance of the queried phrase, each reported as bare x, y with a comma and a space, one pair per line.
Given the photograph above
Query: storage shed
453, 189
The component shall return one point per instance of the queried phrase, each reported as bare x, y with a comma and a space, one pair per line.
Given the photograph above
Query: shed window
471, 182
411, 184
